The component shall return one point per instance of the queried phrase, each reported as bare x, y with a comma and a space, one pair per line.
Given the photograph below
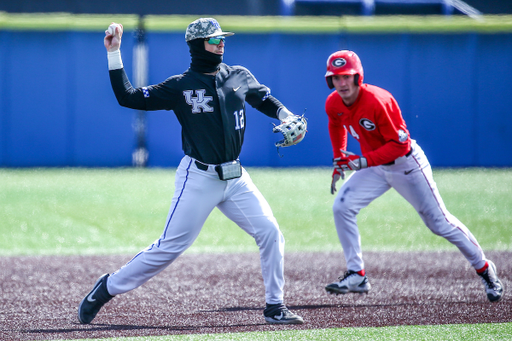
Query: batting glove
336, 175
350, 162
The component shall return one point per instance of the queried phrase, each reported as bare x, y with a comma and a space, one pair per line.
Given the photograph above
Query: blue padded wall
57, 107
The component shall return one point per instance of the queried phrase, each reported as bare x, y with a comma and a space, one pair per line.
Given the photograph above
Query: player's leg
413, 179
196, 193
357, 192
246, 206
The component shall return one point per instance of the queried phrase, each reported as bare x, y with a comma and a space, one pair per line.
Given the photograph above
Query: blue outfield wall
57, 107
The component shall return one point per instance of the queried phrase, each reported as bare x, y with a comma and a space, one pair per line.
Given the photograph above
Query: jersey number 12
239, 119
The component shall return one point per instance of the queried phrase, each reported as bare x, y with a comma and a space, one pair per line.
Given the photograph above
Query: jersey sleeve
394, 133
257, 93
337, 131
270, 107
125, 93
153, 97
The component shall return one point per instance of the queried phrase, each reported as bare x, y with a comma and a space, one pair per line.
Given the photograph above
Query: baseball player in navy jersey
390, 159
209, 102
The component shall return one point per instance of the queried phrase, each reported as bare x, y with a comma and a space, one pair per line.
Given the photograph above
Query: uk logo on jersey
367, 124
199, 103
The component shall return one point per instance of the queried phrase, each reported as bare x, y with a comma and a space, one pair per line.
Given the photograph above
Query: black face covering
202, 60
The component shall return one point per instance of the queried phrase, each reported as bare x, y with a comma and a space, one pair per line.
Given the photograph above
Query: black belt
201, 166
393, 162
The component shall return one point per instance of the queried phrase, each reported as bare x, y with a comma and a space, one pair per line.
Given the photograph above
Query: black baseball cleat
279, 314
492, 284
94, 300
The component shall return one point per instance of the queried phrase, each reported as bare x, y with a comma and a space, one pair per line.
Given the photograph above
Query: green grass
419, 24
495, 331
112, 211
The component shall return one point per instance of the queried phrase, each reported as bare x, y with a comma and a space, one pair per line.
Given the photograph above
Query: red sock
361, 273
479, 271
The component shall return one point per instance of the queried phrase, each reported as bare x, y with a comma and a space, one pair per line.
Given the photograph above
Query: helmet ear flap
356, 79
329, 82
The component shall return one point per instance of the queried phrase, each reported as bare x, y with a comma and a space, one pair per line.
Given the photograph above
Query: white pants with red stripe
412, 178
197, 193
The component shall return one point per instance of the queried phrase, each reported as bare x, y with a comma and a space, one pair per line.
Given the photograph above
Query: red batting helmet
344, 62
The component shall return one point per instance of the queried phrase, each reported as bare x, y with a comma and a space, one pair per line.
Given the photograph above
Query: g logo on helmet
339, 62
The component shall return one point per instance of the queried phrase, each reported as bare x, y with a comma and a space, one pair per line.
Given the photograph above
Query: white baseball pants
197, 193
412, 178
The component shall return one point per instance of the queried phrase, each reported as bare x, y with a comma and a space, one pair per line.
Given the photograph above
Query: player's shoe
94, 300
351, 281
279, 314
493, 286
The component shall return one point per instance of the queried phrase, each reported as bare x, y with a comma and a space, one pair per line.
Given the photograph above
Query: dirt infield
224, 294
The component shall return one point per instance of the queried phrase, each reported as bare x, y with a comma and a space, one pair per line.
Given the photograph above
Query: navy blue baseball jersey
210, 109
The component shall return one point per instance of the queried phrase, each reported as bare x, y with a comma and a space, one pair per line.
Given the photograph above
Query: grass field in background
454, 332
106, 211
488, 24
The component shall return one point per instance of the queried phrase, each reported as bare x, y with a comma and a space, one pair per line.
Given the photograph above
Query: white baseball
112, 29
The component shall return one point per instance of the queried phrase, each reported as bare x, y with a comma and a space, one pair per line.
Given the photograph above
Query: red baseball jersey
374, 120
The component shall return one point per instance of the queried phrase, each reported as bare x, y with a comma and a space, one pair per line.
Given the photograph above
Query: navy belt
201, 166
393, 162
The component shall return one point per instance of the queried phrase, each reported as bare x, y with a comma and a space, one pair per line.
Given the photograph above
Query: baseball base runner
391, 159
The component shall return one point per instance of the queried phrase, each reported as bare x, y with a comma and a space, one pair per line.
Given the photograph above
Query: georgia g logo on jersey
367, 124
199, 102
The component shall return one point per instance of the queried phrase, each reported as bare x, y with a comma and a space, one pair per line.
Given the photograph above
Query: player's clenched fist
113, 36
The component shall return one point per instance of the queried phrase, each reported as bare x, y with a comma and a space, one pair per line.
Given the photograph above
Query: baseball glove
293, 129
